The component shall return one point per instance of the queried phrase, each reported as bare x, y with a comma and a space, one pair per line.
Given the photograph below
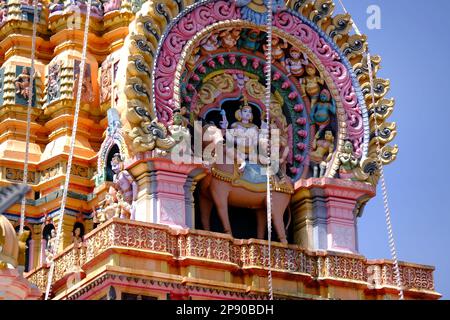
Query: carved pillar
325, 213
165, 191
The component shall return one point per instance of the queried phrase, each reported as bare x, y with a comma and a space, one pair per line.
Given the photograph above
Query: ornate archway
166, 35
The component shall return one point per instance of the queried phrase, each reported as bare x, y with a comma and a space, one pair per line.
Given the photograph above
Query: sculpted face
311, 70
329, 136
116, 165
77, 232
247, 114
348, 147
53, 233
295, 54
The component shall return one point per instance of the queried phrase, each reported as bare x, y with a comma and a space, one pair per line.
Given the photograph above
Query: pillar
325, 213
165, 191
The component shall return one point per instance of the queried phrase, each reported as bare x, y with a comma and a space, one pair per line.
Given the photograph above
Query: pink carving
207, 14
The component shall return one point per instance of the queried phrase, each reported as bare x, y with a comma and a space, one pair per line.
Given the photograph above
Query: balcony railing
221, 249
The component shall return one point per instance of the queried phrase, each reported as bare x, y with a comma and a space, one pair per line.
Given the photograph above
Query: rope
268, 94
384, 189
30, 102
72, 145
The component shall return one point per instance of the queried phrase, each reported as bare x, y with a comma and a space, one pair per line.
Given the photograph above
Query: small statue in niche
124, 183
50, 249
323, 148
78, 245
278, 46
229, 38
323, 110
22, 83
348, 163
106, 82
295, 65
53, 91
210, 44
312, 83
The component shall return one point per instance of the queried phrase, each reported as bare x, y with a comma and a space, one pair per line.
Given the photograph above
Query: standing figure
323, 148
312, 83
322, 110
278, 46
50, 250
23, 83
124, 183
295, 64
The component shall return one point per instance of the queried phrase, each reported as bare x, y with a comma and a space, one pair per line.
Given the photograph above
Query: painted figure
347, 162
322, 152
229, 38
278, 46
221, 193
22, 238
312, 83
124, 183
323, 110
51, 249
210, 44
295, 65
250, 40
22, 83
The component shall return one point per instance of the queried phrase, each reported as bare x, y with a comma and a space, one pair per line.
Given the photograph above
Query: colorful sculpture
323, 110
348, 163
124, 183
322, 152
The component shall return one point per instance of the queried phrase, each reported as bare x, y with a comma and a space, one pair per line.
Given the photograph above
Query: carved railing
239, 254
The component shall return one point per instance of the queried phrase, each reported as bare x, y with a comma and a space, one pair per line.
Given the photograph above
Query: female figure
323, 148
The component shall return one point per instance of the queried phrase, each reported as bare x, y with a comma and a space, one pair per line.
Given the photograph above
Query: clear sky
414, 43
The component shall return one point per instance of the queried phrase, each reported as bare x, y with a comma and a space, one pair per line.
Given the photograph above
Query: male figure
124, 183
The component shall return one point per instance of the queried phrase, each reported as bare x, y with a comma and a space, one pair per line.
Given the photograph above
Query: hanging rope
384, 189
268, 173
30, 103
72, 145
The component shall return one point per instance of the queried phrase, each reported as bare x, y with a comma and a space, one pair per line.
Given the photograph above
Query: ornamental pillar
325, 213
165, 191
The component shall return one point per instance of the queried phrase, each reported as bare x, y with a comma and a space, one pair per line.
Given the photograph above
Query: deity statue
295, 64
50, 250
250, 40
312, 82
210, 44
22, 83
256, 10
244, 129
278, 46
322, 110
229, 38
348, 163
124, 183
322, 152
53, 90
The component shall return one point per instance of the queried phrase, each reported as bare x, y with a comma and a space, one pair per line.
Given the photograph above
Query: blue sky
415, 47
